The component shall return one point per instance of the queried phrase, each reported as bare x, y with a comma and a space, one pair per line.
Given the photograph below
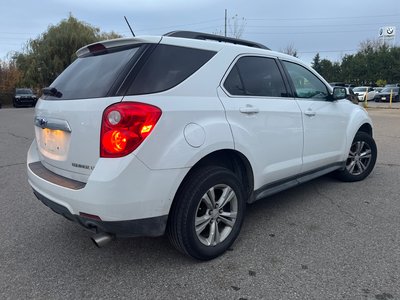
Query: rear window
167, 67
92, 76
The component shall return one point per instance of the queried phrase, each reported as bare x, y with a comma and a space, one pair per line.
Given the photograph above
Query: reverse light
125, 126
114, 117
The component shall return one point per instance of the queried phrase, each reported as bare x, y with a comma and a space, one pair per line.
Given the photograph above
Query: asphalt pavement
322, 240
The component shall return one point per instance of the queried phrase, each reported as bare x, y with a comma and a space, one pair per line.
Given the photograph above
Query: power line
319, 25
308, 32
322, 18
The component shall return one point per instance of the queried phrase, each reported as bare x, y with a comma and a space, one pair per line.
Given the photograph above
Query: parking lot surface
322, 240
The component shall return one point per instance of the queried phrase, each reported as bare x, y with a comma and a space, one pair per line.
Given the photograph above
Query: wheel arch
359, 121
227, 158
367, 128
234, 161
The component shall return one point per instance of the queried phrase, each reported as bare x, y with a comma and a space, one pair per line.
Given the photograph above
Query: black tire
191, 202
15, 103
361, 159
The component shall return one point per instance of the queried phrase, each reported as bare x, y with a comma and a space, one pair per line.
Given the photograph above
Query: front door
324, 121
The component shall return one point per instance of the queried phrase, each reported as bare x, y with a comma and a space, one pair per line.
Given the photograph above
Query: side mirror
339, 93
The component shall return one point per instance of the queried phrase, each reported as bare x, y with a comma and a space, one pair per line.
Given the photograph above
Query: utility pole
226, 15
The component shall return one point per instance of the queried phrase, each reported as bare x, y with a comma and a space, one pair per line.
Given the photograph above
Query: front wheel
207, 214
361, 159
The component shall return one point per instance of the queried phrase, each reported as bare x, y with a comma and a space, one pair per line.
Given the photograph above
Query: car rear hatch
68, 116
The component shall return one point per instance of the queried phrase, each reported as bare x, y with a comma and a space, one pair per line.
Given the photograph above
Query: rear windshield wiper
52, 91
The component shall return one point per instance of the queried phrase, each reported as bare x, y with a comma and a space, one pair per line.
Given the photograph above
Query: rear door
265, 121
68, 119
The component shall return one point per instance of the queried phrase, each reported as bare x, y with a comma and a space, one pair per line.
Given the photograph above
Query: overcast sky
333, 28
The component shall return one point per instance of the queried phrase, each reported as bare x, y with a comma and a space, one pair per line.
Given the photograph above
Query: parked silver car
364, 92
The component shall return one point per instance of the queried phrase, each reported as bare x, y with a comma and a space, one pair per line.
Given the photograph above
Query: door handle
248, 109
310, 113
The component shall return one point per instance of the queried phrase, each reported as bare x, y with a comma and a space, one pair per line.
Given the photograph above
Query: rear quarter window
167, 67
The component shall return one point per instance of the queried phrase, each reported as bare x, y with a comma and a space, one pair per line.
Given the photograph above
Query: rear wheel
361, 159
207, 214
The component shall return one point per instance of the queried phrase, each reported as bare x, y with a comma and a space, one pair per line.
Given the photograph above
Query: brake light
97, 48
125, 126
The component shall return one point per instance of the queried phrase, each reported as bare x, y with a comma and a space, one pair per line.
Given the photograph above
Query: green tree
372, 63
45, 57
316, 63
330, 71
381, 82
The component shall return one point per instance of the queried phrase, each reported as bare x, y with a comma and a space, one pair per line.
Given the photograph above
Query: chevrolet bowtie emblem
41, 122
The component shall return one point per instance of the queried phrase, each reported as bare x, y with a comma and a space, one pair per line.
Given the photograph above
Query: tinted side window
166, 67
233, 83
255, 76
91, 76
306, 84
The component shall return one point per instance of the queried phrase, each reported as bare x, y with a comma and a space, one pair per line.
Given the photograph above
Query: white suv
176, 134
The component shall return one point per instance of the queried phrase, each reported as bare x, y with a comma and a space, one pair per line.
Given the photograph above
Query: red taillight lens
97, 48
125, 126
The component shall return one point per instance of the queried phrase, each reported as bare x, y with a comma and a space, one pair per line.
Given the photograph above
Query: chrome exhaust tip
101, 239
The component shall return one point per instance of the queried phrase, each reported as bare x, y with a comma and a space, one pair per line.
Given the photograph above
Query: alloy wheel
359, 158
216, 215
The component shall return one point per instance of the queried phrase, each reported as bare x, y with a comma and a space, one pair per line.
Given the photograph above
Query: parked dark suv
24, 97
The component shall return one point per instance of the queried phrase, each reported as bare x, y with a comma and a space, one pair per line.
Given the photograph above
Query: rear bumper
129, 228
129, 198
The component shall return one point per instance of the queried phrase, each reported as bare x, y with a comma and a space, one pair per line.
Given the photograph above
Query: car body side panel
272, 139
358, 118
194, 101
172, 144
325, 136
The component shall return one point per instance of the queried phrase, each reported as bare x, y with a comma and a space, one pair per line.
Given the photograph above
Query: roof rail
213, 37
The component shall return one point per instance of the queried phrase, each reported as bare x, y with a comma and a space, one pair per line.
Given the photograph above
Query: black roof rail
214, 37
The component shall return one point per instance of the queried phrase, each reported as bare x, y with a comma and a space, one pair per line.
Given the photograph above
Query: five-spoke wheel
361, 159
208, 212
216, 214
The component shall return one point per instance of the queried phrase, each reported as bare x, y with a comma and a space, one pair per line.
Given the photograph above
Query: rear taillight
125, 126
